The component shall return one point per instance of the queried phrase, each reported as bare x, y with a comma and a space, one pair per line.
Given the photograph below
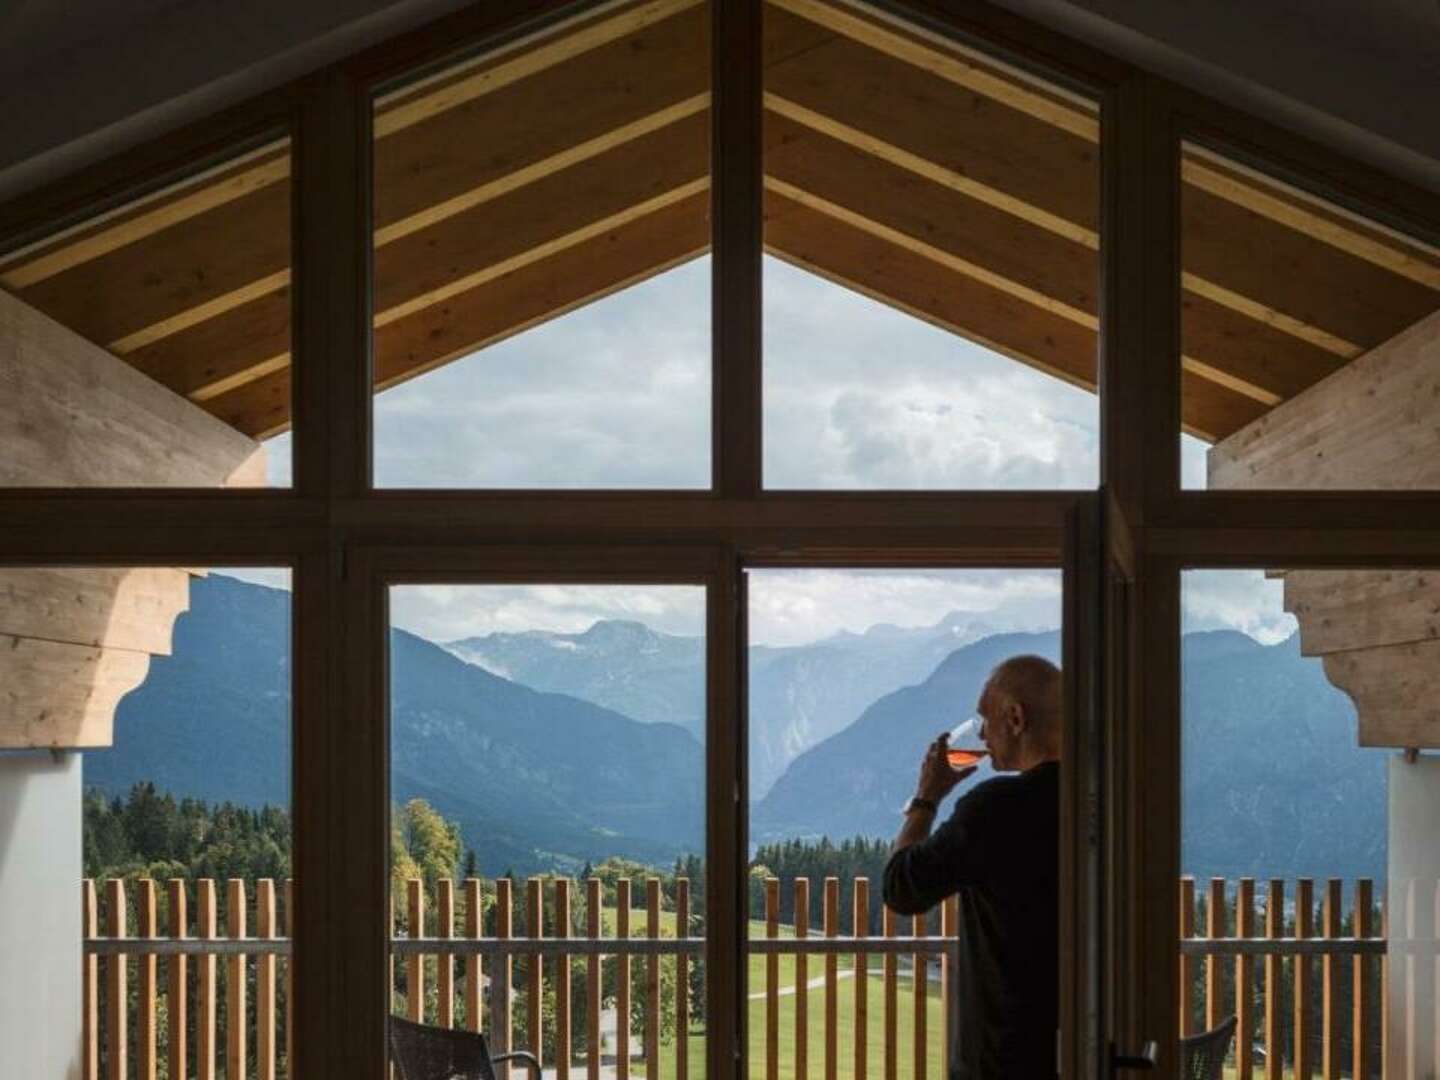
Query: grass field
788, 1041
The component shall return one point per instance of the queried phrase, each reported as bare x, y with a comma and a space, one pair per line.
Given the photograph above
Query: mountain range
553, 749
799, 694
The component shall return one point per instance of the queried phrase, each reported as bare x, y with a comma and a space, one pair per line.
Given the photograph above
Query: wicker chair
1202, 1057
421, 1052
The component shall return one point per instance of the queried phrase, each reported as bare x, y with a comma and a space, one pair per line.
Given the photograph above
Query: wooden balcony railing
618, 962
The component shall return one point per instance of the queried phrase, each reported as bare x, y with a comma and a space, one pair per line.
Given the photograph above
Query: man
999, 850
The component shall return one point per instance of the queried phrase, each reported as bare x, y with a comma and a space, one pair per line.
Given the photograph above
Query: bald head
1021, 705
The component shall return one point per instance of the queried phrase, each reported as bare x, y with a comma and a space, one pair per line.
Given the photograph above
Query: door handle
1146, 1059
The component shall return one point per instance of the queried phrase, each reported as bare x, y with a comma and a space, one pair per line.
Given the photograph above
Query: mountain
1273, 782
854, 782
799, 694
536, 780
622, 665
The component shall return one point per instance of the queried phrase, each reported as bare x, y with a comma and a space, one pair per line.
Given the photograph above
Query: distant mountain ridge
799, 694
1273, 785
536, 780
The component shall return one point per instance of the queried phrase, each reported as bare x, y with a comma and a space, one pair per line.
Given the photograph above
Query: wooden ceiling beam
502, 307
908, 280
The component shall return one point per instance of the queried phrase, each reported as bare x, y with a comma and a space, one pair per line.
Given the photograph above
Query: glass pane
145, 767
853, 673
149, 345
932, 262
1294, 814
1310, 339
548, 780
542, 282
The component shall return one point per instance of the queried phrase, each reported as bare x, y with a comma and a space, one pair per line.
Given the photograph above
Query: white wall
1414, 896
86, 78
40, 869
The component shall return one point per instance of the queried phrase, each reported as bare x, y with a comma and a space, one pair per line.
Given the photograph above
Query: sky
857, 396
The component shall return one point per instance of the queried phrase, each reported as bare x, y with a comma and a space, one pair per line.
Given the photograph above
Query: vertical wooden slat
1330, 981
534, 970
177, 1011
949, 928
266, 928
622, 982
800, 889
682, 981
1214, 928
832, 973
594, 928
146, 990
772, 981
1362, 988
652, 981
290, 979
415, 962
860, 918
474, 928
1304, 928
1274, 928
117, 1013
444, 962
90, 986
236, 1021
205, 928
1187, 963
888, 982
562, 981
919, 984
1245, 983
501, 973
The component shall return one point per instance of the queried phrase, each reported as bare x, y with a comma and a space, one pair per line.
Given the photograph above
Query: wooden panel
534, 971
622, 982
1274, 928
860, 911
1340, 610
146, 988
594, 925
117, 991
652, 979
682, 981
177, 1003
1245, 983
205, 997
1187, 963
81, 417
1296, 274
203, 264
493, 135
1302, 994
800, 903
57, 695
90, 988
1330, 985
562, 982
772, 981
415, 962
1369, 426
498, 309
444, 962
593, 197
1262, 355
131, 608
237, 1025
914, 284
1214, 928
474, 926
1394, 689
999, 146
928, 211
266, 927
1362, 982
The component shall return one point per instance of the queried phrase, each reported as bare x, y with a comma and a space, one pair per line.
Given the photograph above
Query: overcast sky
857, 395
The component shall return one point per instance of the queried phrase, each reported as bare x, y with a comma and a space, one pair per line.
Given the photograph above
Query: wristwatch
918, 803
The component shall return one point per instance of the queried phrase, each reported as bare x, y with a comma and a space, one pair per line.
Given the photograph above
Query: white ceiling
80, 79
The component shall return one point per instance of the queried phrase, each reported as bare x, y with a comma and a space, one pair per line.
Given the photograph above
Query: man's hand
937, 778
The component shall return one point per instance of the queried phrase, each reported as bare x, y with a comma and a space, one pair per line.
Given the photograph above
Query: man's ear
1019, 722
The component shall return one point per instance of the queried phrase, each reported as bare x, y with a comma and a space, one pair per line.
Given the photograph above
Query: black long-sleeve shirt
1000, 851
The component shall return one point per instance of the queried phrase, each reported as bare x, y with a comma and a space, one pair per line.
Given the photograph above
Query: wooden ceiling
520, 186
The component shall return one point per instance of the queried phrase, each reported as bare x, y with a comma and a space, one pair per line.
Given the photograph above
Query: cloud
450, 612
1244, 600
859, 395
795, 606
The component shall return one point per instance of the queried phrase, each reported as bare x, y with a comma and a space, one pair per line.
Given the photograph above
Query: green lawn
815, 1023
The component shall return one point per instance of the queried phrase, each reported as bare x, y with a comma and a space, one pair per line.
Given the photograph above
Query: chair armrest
524, 1056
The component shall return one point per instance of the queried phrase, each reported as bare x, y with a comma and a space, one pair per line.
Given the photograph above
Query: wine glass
965, 750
